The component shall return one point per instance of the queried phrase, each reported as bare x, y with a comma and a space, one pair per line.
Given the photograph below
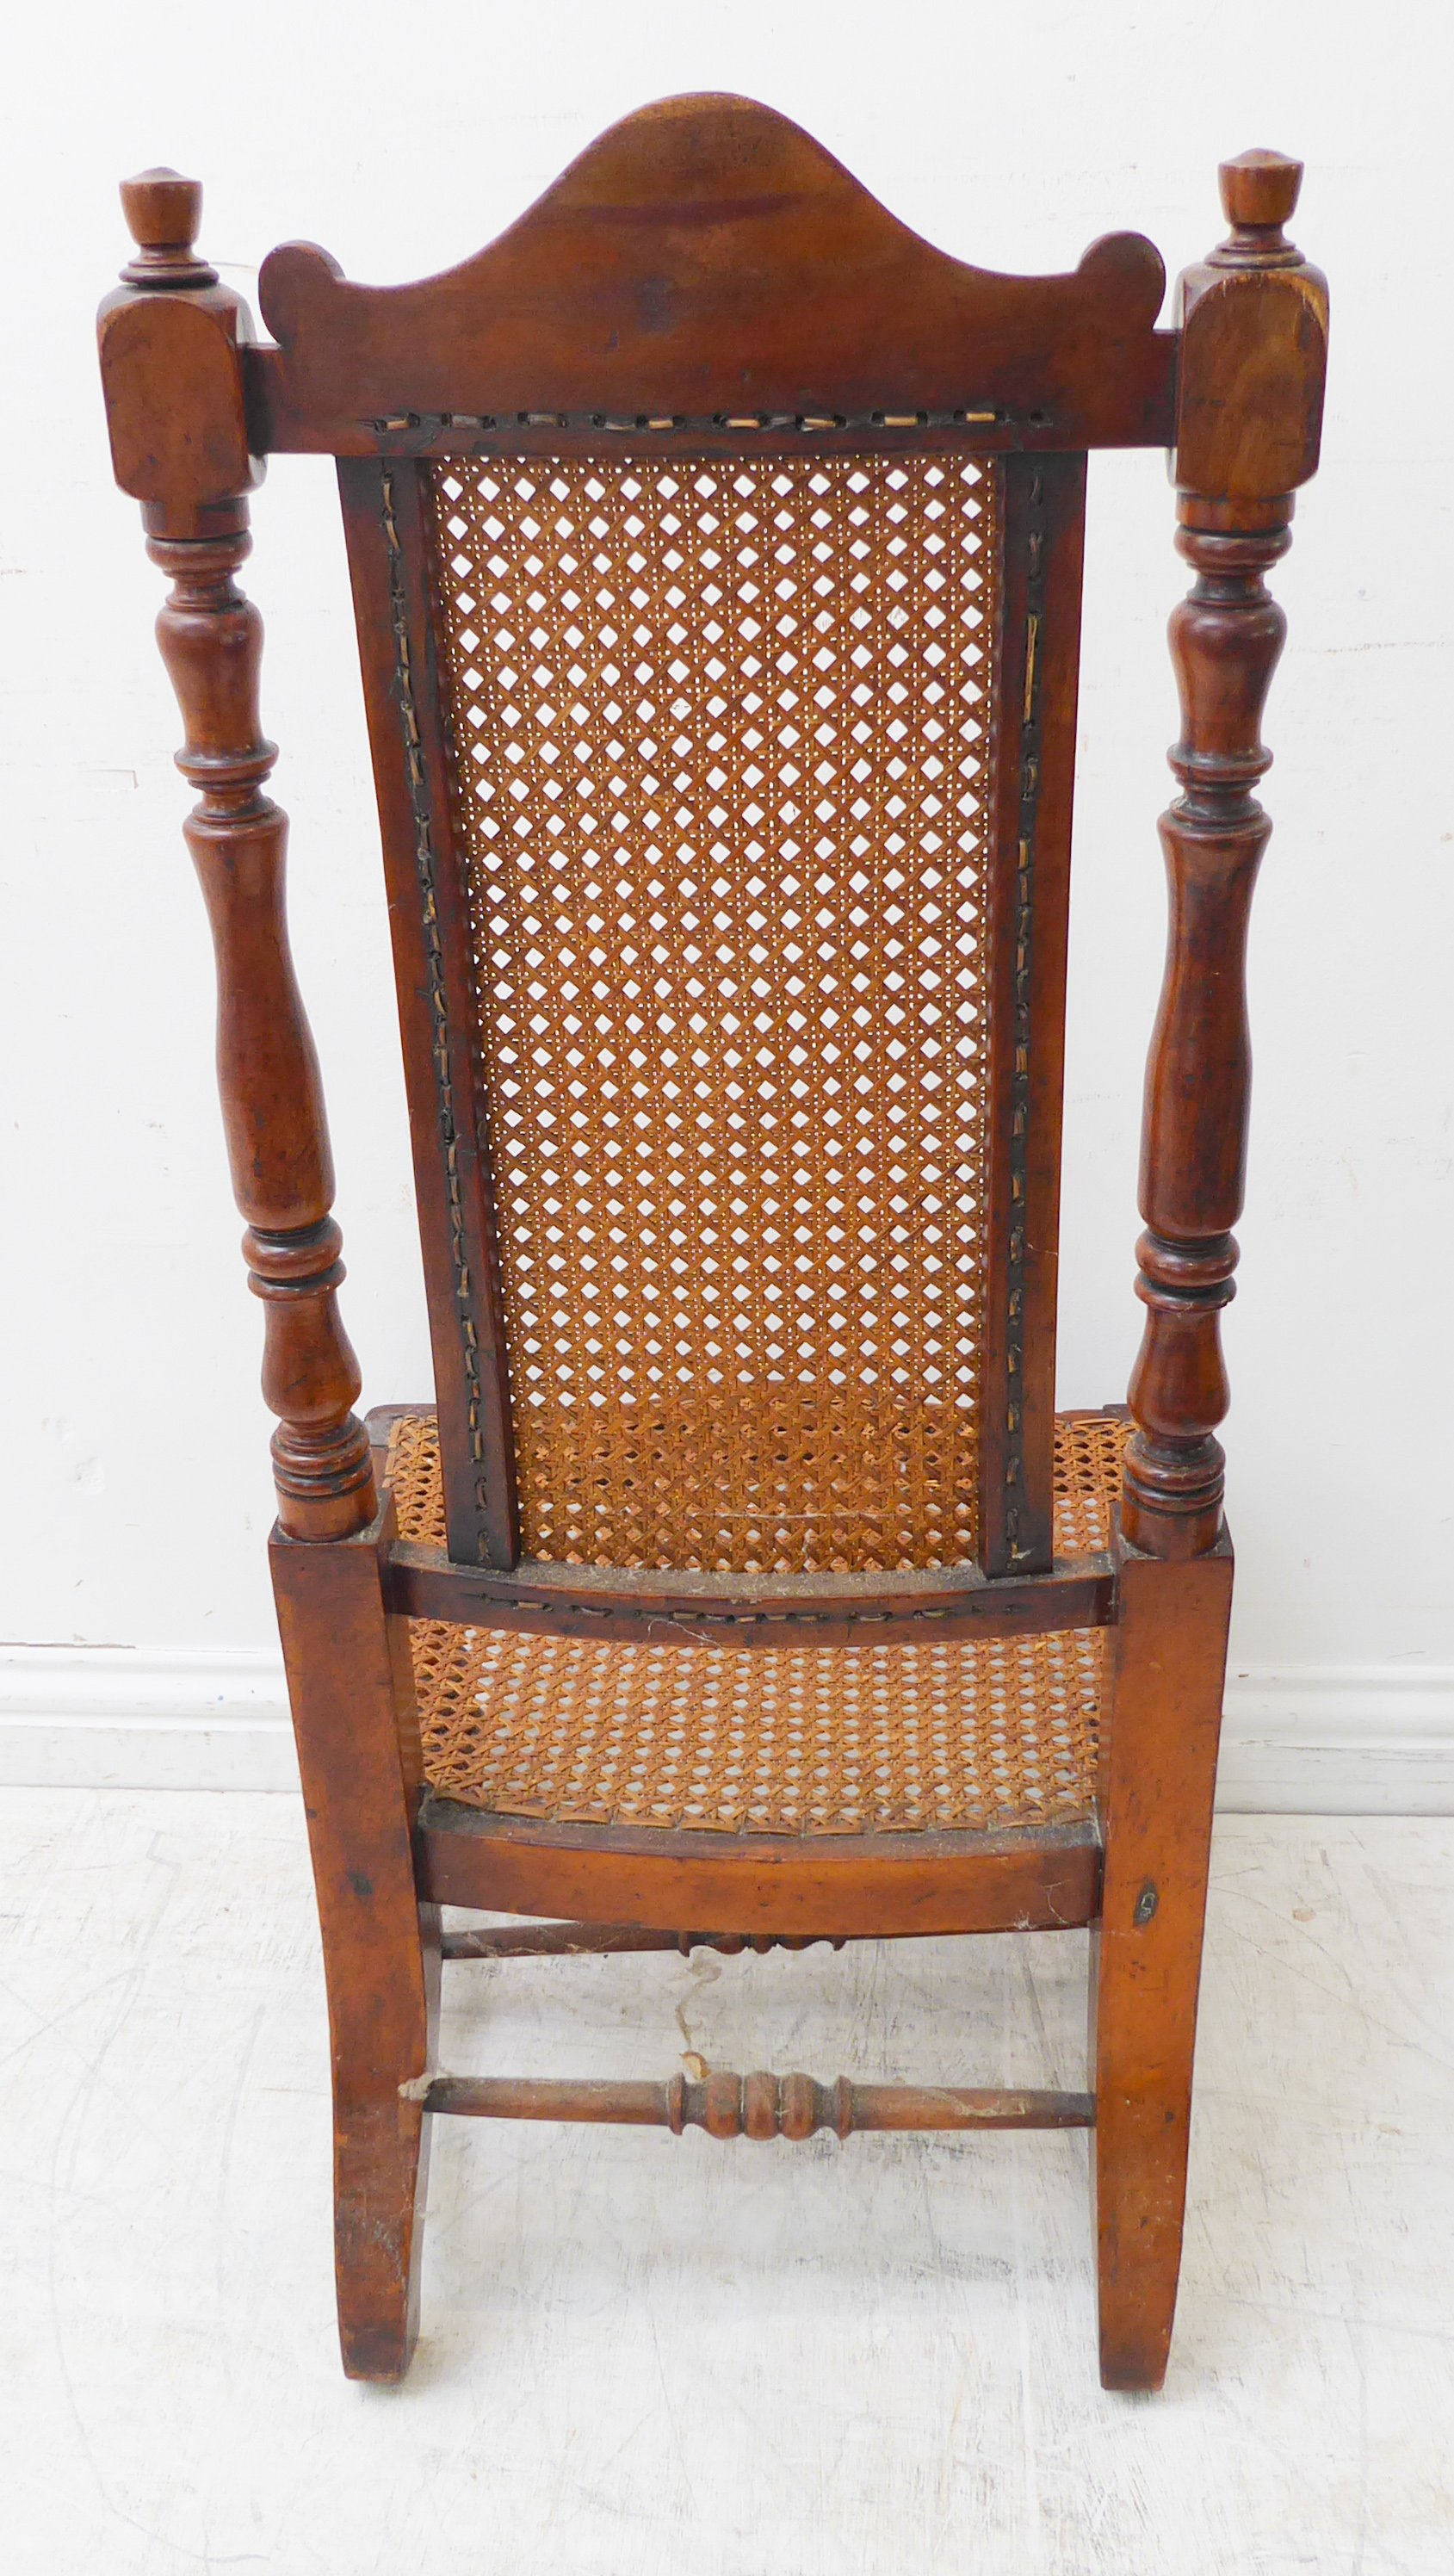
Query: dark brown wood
171, 348
605, 1940
1249, 405
1244, 441
1254, 346
707, 262
438, 1014
1159, 1764
272, 1095
752, 2106
164, 213
746, 1610
1028, 921
1225, 641
352, 1692
706, 281
867, 1886
177, 444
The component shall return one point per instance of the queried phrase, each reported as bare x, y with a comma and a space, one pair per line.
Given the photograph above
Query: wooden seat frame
706, 282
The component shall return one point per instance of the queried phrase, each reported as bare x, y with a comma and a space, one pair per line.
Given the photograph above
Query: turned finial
163, 212
1259, 192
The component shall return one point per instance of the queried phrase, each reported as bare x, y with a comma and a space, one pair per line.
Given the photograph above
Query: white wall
138, 1488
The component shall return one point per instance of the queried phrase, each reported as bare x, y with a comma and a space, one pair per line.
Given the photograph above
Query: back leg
352, 1693
1158, 1778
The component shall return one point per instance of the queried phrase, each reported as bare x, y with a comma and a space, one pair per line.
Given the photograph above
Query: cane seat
959, 1734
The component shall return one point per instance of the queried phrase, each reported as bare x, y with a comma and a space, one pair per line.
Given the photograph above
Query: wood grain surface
709, 265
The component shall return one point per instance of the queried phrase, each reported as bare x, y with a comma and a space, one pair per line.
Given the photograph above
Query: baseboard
1338, 1740
1328, 1740
119, 1717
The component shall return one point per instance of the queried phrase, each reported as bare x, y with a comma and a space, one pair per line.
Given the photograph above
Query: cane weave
770, 1740
719, 740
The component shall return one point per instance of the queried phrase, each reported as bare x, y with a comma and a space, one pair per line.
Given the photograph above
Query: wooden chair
716, 554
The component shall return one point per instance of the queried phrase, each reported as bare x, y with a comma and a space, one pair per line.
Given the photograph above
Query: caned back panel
722, 789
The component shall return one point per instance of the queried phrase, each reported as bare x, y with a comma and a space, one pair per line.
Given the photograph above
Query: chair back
723, 706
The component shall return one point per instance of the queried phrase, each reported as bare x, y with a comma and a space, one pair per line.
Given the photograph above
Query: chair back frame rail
705, 282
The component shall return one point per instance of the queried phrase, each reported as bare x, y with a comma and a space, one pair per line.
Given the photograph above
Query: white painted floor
644, 2355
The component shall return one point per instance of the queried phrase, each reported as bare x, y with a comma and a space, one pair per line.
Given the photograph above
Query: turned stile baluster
282, 1170
211, 642
1249, 401
1253, 322
173, 375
